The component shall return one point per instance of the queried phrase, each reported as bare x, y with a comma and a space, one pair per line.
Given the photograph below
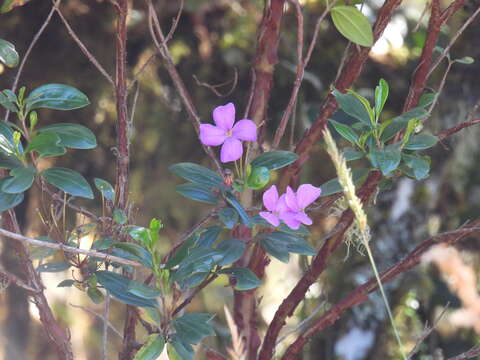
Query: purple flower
276, 206
228, 134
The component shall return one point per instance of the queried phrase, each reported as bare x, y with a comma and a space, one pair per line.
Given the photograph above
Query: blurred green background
214, 41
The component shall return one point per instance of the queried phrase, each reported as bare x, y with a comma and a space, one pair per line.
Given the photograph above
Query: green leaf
232, 200
258, 178
194, 280
152, 348
9, 161
8, 54
182, 252
419, 165
386, 159
391, 127
208, 237
53, 267
8, 201
140, 234
421, 142
351, 154
197, 192
427, 99
245, 279
381, 95
279, 244
10, 4
117, 286
228, 217
352, 24
138, 288
56, 96
7, 104
20, 180
365, 104
141, 254
333, 186
119, 217
95, 295
47, 145
69, 181
177, 350
102, 244
231, 250
274, 160
74, 136
345, 131
42, 252
66, 283
352, 106
105, 188
197, 174
467, 60
191, 328
199, 260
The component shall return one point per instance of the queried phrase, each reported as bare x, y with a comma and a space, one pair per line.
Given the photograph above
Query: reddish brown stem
455, 129
360, 295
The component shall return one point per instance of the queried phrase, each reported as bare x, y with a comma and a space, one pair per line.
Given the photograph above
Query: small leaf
66, 283
74, 136
232, 200
390, 128
386, 159
69, 181
141, 254
351, 154
53, 267
8, 54
258, 178
427, 99
467, 60
274, 160
56, 96
152, 348
191, 328
352, 106
138, 288
117, 286
345, 131
245, 279
46, 144
20, 180
419, 165
381, 95
197, 192
177, 350
228, 217
277, 243
198, 260
333, 186
105, 188
352, 24
95, 295
102, 244
197, 174
209, 236
8, 201
140, 234
7, 104
421, 142
194, 280
119, 217
231, 250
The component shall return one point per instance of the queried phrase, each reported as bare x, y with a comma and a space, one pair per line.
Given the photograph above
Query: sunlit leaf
56, 96
352, 24
8, 54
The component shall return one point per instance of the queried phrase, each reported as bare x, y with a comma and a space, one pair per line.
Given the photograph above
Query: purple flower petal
224, 116
271, 218
245, 130
291, 200
270, 198
289, 218
282, 205
303, 218
307, 194
211, 135
232, 150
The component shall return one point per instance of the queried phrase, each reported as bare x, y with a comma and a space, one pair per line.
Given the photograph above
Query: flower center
229, 133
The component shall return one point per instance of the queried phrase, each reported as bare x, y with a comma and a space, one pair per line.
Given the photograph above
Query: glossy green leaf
117, 286
138, 288
386, 159
208, 237
151, 349
231, 250
69, 181
140, 234
381, 95
102, 244
8, 201
73, 136
191, 328
198, 260
95, 295
419, 165
56, 96
197, 174
245, 279
228, 217
467, 60
8, 54
427, 99
390, 128
333, 186
232, 200
105, 188
258, 178
7, 104
345, 131
197, 192
7, 139
20, 180
352, 24
177, 350
194, 280
421, 142
141, 254
46, 145
274, 160
119, 217
53, 267
280, 244
351, 154
182, 252
9, 161
352, 106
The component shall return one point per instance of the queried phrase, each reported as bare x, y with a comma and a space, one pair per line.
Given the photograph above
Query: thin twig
109, 324
467, 355
194, 293
213, 88
455, 129
83, 48
14, 279
69, 249
175, 23
106, 311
